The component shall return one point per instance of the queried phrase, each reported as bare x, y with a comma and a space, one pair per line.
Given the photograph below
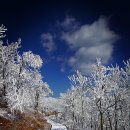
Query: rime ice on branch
98, 101
21, 84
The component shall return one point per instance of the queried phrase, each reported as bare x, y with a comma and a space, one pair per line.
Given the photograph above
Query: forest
98, 100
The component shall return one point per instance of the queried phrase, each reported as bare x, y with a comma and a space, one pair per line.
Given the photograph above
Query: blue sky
69, 35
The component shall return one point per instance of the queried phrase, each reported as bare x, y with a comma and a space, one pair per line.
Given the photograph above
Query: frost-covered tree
21, 84
2, 30
75, 113
100, 100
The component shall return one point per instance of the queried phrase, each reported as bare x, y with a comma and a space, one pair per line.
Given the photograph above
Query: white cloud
47, 40
88, 42
69, 24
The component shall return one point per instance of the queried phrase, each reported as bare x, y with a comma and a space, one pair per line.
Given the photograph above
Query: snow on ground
56, 126
2, 112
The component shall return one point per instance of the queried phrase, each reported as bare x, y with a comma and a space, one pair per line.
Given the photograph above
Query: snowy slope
56, 126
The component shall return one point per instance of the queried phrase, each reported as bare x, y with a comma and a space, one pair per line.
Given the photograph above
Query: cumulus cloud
88, 42
85, 42
69, 24
47, 40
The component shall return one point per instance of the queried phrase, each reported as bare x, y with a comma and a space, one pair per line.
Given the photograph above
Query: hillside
24, 121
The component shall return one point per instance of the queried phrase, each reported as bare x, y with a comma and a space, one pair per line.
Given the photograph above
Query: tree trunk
115, 113
101, 116
110, 123
36, 101
106, 127
73, 115
129, 117
91, 123
82, 114
100, 127
4, 86
101, 120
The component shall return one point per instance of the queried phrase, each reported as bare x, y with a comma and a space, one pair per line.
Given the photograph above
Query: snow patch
56, 126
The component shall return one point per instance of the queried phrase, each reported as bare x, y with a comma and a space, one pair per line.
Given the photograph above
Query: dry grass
55, 113
28, 121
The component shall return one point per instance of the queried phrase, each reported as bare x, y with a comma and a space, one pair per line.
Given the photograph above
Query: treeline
99, 101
